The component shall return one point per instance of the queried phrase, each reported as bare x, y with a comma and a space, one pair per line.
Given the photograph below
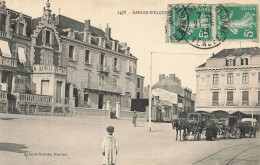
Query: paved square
51, 140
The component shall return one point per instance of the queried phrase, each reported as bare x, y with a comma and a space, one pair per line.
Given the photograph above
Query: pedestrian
109, 148
134, 118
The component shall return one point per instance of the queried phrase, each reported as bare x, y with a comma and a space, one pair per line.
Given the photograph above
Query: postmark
206, 26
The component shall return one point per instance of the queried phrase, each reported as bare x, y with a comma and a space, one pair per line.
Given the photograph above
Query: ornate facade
51, 64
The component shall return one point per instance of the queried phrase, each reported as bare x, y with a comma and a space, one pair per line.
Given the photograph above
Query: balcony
103, 87
29, 98
2, 34
103, 68
51, 69
7, 62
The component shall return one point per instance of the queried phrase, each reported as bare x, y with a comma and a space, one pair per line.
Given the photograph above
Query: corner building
230, 81
51, 64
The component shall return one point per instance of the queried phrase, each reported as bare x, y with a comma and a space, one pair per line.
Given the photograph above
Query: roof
202, 65
64, 22
237, 52
234, 52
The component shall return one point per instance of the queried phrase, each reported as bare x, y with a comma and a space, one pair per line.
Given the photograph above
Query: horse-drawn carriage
248, 126
227, 125
193, 124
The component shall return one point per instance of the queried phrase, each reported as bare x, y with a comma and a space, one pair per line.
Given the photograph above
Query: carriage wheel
226, 134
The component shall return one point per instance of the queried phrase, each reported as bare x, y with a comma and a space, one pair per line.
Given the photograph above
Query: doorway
76, 95
100, 101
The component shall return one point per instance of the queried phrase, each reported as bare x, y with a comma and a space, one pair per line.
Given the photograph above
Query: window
101, 80
244, 61
71, 52
45, 87
215, 99
245, 98
167, 112
85, 97
114, 82
87, 58
245, 78
2, 22
229, 98
116, 63
215, 78
102, 59
231, 62
21, 26
230, 78
258, 77
138, 82
258, 98
48, 36
138, 95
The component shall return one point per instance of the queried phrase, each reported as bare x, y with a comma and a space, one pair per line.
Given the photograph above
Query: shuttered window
245, 98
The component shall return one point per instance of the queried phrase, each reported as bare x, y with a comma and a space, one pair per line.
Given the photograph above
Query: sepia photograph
129, 82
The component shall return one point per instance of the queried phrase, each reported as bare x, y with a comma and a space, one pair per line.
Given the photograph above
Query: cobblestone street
73, 140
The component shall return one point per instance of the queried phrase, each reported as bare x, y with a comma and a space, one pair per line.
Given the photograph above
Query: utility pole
150, 96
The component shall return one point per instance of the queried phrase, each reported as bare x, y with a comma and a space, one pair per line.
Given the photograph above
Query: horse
181, 124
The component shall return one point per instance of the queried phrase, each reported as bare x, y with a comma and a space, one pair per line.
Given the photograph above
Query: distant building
230, 81
139, 87
172, 94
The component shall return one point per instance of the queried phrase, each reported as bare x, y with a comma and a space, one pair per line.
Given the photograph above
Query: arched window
245, 61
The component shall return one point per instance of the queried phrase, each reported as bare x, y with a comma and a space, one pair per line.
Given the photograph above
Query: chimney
176, 79
87, 25
87, 34
172, 76
108, 32
161, 77
127, 50
179, 82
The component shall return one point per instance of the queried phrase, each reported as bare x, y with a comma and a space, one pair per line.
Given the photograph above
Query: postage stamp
206, 26
243, 22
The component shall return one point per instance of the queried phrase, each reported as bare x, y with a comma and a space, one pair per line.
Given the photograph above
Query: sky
144, 33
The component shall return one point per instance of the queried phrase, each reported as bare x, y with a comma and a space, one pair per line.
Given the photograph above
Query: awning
5, 49
21, 55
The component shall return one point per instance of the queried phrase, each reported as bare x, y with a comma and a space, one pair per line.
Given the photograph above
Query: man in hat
134, 118
109, 147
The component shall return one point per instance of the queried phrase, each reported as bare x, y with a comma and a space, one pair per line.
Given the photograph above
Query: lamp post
150, 96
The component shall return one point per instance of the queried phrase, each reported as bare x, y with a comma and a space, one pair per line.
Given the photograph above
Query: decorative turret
2, 4
47, 12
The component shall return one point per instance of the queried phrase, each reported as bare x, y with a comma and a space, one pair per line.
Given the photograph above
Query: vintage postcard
125, 82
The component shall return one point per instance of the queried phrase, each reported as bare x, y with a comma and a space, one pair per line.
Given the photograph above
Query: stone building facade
230, 81
52, 64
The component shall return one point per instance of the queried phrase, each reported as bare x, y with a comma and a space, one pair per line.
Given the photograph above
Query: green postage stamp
207, 25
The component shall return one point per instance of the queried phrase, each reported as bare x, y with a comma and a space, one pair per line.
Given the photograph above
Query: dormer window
20, 28
231, 62
244, 61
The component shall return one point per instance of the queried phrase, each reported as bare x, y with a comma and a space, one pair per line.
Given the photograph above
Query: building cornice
228, 68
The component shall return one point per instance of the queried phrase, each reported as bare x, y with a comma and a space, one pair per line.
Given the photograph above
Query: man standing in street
134, 118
